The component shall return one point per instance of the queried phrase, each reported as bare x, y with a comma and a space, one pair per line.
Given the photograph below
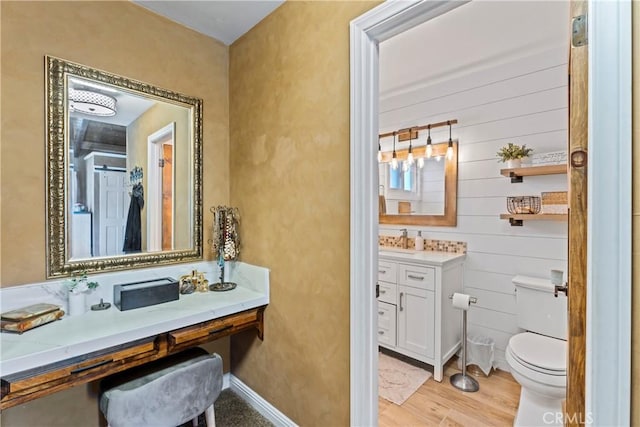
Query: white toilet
538, 357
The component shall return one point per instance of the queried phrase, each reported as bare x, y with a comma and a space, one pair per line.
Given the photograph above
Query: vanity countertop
420, 257
96, 330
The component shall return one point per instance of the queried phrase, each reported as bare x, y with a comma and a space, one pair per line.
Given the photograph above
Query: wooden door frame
608, 371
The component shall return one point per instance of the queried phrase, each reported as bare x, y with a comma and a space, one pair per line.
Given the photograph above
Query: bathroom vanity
79, 349
415, 315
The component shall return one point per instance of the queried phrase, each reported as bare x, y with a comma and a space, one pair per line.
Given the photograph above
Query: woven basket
523, 204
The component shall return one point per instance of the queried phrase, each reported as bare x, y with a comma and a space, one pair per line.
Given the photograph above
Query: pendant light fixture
450, 147
394, 157
379, 151
410, 159
429, 147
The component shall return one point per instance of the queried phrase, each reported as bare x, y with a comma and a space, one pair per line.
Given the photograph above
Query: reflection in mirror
414, 191
420, 196
124, 172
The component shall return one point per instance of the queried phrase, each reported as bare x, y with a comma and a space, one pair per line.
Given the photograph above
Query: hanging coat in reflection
133, 231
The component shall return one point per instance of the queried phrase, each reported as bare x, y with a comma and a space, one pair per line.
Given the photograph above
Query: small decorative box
555, 202
552, 158
128, 296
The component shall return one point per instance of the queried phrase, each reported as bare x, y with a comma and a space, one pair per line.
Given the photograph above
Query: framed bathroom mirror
124, 172
416, 195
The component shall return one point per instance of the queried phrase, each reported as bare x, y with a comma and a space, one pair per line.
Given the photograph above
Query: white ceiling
471, 35
450, 45
223, 20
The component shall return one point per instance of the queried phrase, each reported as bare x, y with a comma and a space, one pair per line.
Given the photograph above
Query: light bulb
429, 151
410, 158
405, 166
420, 162
438, 158
450, 152
379, 156
394, 163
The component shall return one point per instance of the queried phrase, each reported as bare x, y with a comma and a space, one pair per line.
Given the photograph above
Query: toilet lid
541, 351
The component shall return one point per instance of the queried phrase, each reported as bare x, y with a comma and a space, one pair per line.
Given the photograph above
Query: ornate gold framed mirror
420, 196
124, 172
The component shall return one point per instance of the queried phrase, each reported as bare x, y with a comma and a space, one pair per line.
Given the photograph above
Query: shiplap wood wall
521, 100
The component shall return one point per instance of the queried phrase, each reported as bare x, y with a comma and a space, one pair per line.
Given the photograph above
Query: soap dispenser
419, 241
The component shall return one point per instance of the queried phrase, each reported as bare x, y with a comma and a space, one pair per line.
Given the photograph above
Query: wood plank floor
441, 404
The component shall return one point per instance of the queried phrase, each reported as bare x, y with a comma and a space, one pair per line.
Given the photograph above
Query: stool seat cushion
167, 392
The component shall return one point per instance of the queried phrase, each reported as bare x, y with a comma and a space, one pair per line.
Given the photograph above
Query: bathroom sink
395, 251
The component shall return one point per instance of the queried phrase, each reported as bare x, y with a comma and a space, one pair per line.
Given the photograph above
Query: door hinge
161, 163
579, 31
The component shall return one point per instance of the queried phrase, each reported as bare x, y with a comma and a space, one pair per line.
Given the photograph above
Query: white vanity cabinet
415, 315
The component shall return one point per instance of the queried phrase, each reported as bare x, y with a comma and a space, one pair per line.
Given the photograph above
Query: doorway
160, 204
390, 19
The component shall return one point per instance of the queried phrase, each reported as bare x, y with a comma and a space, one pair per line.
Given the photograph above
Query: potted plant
78, 287
512, 154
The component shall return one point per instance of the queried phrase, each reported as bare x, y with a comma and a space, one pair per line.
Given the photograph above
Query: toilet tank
538, 310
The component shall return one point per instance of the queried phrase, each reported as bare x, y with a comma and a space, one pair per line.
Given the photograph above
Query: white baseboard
265, 408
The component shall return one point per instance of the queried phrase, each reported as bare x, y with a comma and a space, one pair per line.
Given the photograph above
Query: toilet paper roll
461, 301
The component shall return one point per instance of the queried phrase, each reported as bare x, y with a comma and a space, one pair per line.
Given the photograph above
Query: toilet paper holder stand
462, 381
472, 300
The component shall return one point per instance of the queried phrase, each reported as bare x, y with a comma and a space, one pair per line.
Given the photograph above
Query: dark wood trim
404, 133
578, 165
31, 384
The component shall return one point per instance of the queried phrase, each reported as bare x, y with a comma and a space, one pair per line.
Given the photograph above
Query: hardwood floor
440, 404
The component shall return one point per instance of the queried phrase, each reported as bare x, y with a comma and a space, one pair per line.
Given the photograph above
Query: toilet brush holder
462, 381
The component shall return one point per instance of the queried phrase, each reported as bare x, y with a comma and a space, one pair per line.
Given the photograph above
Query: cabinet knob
411, 276
380, 332
381, 313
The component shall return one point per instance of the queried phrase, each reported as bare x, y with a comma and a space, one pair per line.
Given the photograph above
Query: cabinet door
386, 324
387, 292
416, 328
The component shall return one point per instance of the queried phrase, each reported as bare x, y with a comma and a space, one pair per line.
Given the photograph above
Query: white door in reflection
113, 207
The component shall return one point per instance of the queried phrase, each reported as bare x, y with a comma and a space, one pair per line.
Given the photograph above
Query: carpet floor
232, 411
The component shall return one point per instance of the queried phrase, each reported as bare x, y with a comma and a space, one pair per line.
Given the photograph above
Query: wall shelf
516, 219
516, 174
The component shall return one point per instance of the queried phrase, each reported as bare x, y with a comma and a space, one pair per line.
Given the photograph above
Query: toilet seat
539, 358
540, 353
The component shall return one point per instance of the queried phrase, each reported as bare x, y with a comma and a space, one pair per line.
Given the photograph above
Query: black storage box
128, 296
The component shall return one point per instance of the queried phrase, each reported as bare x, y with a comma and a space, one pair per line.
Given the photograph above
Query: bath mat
398, 380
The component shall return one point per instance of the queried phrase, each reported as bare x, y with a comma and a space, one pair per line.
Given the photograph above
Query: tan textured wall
289, 133
118, 37
635, 308
122, 38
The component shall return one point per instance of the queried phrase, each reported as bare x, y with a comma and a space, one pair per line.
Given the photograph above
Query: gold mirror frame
450, 217
58, 262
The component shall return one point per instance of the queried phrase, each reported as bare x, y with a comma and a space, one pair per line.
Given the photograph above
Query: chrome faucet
405, 243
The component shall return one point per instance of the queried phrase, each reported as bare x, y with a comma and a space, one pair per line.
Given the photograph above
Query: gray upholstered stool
167, 392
